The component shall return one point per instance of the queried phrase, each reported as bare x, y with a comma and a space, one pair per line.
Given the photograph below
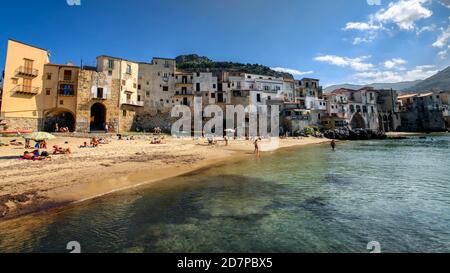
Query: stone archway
61, 117
98, 117
357, 122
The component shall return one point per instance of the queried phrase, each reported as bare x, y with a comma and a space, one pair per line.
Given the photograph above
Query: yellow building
23, 96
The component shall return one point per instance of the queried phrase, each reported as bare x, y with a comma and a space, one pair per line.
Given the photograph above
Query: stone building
388, 110
421, 113
356, 109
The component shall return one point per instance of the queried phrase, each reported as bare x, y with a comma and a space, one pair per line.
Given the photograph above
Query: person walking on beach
257, 146
333, 145
225, 138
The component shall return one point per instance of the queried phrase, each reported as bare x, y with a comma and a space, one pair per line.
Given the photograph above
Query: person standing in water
333, 145
257, 146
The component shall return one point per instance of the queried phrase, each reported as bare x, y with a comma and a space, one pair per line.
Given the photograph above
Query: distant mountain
399, 86
436, 83
195, 63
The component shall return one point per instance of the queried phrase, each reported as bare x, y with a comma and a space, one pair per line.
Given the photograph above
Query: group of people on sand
61, 129
35, 156
158, 140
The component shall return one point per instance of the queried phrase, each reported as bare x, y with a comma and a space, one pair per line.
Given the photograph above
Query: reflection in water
305, 200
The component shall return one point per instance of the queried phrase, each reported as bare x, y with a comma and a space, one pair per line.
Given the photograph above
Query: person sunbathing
15, 143
94, 142
61, 151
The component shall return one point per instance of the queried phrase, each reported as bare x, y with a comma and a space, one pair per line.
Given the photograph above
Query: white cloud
445, 3
389, 64
355, 63
425, 29
292, 71
443, 39
374, 2
418, 73
442, 43
404, 13
361, 26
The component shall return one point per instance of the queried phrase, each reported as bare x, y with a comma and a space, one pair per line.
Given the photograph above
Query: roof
116, 58
27, 44
425, 95
63, 65
406, 96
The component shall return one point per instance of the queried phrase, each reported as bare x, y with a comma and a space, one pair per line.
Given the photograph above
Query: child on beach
257, 147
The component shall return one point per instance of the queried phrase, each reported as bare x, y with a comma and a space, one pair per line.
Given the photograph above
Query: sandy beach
32, 186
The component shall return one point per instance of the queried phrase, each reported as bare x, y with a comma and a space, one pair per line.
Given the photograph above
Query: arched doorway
358, 122
60, 117
98, 117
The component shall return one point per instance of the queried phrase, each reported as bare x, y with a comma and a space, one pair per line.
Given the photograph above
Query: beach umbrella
39, 136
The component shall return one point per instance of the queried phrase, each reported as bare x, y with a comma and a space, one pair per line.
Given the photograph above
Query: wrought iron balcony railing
27, 72
23, 89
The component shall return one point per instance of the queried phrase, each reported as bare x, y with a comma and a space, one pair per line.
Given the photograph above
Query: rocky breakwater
357, 134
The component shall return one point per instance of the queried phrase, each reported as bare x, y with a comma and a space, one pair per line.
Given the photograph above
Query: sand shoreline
28, 187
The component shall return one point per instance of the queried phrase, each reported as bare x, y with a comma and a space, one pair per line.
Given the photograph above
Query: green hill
195, 63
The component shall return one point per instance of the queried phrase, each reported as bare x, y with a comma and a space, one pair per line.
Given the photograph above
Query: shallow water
396, 192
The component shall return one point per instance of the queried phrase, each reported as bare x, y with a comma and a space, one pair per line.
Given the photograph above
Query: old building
388, 110
445, 99
421, 113
23, 95
356, 109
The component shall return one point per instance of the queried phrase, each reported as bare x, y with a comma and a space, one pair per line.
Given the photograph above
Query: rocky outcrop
357, 134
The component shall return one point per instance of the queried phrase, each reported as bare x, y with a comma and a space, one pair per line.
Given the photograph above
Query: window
214, 86
49, 76
61, 102
129, 69
258, 97
14, 81
124, 113
67, 75
147, 93
269, 98
139, 98
213, 95
66, 90
124, 82
109, 73
110, 64
364, 109
134, 85
165, 88
148, 83
197, 86
100, 93
139, 87
352, 108
48, 92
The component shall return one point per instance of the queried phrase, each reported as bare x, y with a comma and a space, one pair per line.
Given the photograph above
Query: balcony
27, 72
125, 101
184, 84
25, 90
100, 96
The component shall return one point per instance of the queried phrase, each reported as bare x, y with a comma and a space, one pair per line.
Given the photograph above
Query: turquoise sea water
396, 192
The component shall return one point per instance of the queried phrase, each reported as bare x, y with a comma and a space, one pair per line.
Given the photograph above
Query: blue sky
355, 41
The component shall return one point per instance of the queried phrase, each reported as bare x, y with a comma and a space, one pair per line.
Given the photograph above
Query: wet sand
87, 173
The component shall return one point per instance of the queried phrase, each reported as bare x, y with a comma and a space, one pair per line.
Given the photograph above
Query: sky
337, 41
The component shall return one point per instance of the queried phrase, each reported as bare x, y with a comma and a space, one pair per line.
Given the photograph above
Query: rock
357, 134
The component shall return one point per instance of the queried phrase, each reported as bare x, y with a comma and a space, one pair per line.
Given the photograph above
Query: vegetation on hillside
195, 63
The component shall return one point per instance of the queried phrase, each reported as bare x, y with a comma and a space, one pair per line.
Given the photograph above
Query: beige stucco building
23, 98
